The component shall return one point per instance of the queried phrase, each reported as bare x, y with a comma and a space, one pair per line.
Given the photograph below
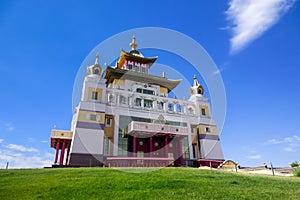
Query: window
173, 123
138, 102
147, 103
111, 98
93, 117
207, 129
106, 146
96, 71
160, 105
144, 70
94, 95
191, 110
148, 92
137, 67
145, 91
129, 66
108, 122
170, 107
203, 111
185, 148
179, 108
123, 100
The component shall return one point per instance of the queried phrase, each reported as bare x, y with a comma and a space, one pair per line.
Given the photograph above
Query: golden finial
97, 59
133, 43
195, 80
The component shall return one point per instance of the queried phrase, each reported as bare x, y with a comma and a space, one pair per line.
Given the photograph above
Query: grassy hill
167, 183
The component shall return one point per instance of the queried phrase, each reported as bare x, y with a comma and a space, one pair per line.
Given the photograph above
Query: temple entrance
156, 148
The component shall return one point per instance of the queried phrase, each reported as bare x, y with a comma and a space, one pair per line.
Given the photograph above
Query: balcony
152, 128
57, 135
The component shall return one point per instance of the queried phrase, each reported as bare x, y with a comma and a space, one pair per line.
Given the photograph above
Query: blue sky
255, 45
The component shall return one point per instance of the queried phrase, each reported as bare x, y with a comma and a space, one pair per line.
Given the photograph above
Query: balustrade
149, 102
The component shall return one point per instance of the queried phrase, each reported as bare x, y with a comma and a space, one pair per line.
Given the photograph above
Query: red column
56, 152
151, 146
134, 146
62, 153
180, 148
166, 146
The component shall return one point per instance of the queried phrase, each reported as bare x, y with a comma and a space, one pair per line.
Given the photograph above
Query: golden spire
195, 81
133, 43
97, 60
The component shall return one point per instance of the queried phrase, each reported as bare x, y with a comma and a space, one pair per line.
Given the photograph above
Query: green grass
167, 183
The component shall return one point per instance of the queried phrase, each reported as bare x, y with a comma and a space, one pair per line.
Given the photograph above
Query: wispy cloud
221, 68
295, 139
254, 157
249, 19
17, 147
1, 140
290, 143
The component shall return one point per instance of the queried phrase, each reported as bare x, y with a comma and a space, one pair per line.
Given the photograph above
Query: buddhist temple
126, 118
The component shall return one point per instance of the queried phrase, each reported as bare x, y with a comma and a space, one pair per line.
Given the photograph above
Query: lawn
166, 183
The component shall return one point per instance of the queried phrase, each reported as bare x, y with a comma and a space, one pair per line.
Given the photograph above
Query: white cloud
273, 141
249, 19
44, 141
18, 160
290, 142
293, 140
1, 140
254, 157
21, 148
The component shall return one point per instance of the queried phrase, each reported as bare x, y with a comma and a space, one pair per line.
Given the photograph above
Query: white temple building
126, 119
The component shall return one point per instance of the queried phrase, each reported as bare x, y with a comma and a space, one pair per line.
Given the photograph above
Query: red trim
210, 160
56, 152
166, 146
151, 147
134, 146
62, 153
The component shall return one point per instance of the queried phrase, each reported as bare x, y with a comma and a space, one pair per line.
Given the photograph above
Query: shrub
297, 172
295, 164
